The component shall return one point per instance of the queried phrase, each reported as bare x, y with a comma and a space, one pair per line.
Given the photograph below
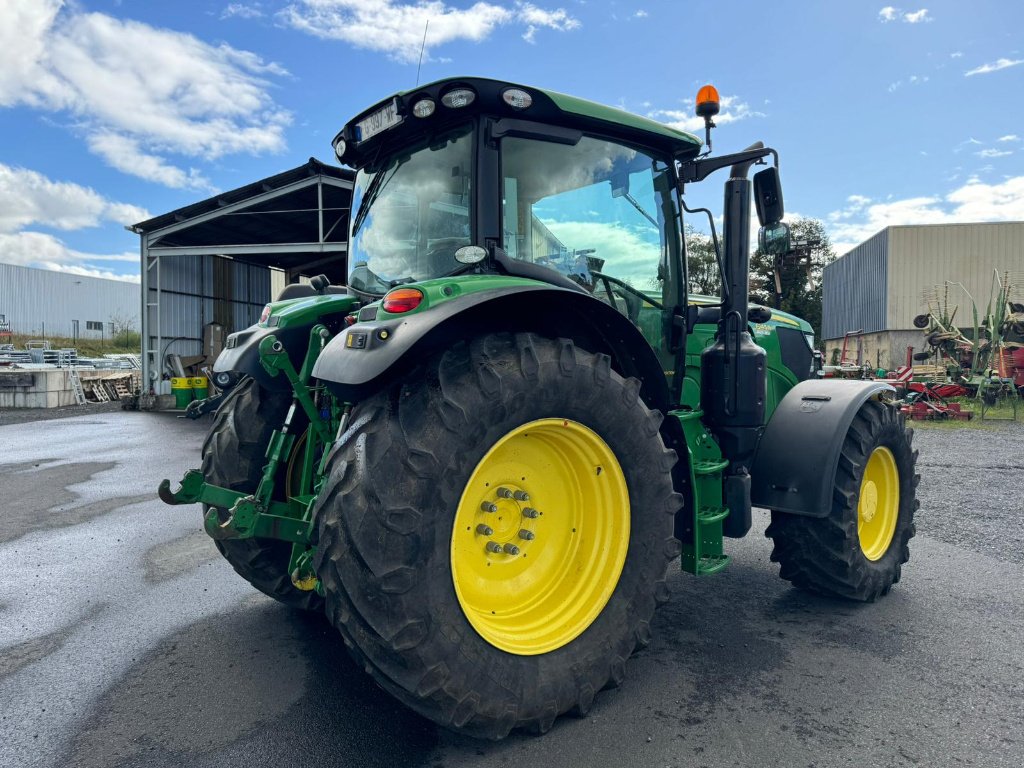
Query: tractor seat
302, 290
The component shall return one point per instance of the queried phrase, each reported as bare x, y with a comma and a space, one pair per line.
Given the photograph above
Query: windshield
599, 212
411, 213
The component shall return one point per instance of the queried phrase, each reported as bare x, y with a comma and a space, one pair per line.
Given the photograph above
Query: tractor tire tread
416, 642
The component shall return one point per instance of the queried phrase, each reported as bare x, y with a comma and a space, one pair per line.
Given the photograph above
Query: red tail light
402, 300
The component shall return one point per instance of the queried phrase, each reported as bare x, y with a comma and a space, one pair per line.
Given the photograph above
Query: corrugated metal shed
42, 302
925, 256
217, 260
854, 289
880, 284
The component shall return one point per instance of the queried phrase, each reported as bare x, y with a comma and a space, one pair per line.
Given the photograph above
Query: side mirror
774, 240
768, 196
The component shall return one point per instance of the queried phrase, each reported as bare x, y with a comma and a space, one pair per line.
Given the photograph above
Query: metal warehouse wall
41, 302
854, 290
922, 257
188, 287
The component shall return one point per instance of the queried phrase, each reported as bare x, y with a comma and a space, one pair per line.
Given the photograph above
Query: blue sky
111, 111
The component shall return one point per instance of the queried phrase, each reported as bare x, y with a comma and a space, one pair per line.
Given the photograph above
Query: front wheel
858, 550
494, 532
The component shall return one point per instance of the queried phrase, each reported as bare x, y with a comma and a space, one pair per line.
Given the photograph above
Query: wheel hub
540, 536
879, 503
506, 519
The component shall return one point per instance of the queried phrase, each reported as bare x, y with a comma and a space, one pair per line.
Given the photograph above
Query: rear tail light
402, 300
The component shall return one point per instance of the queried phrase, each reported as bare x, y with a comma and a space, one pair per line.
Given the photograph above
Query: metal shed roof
295, 221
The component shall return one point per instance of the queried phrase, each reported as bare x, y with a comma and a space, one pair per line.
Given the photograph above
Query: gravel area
972, 486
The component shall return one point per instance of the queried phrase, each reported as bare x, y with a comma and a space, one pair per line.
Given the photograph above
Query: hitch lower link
246, 516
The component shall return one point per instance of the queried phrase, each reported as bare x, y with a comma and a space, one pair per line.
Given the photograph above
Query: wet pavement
126, 641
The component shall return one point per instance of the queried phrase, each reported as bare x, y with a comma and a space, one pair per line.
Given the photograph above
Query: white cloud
1010, 137
151, 91
956, 55
28, 198
993, 66
537, 18
973, 202
641, 14
890, 13
993, 153
37, 249
396, 28
733, 109
125, 154
241, 11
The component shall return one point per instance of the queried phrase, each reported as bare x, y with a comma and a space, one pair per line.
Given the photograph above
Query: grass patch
1001, 412
129, 343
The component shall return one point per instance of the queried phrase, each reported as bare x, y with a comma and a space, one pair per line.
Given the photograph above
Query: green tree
701, 263
800, 276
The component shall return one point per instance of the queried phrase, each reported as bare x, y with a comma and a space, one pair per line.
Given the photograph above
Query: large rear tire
234, 455
858, 550
540, 451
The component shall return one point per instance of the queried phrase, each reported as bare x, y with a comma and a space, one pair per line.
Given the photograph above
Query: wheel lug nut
526, 535
521, 496
493, 546
484, 530
504, 493
489, 507
511, 549
530, 512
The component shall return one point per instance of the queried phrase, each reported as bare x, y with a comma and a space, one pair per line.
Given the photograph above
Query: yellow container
181, 388
200, 387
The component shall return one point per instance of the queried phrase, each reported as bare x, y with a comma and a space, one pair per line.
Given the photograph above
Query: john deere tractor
480, 455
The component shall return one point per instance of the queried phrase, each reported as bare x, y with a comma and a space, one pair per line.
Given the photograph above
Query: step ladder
76, 386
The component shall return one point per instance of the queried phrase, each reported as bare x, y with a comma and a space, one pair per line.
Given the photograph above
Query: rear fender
794, 468
367, 355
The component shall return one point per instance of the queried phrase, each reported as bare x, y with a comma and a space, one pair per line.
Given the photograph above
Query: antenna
422, 46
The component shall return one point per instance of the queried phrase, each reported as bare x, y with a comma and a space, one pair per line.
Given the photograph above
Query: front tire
234, 454
858, 550
408, 579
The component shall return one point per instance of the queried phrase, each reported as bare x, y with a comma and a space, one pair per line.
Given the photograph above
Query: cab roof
548, 107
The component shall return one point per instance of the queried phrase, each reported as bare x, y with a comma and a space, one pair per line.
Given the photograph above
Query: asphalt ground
126, 641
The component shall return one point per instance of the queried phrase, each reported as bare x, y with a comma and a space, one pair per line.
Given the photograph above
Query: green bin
181, 388
200, 387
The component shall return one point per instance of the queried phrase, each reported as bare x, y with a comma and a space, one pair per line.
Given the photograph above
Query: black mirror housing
768, 196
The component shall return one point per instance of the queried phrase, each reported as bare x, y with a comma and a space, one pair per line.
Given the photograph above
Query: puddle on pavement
36, 496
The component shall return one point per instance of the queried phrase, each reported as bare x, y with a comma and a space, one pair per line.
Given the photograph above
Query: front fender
794, 468
243, 354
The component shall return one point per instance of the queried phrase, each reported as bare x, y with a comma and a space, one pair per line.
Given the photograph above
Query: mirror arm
700, 168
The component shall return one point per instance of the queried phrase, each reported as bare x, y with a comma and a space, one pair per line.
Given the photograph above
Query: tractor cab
480, 176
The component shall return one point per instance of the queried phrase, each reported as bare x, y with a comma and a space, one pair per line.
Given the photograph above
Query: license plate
379, 121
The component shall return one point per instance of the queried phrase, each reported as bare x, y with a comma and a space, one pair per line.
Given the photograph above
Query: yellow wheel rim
879, 503
540, 536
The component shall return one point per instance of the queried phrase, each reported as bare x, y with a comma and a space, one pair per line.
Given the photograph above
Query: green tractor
481, 454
